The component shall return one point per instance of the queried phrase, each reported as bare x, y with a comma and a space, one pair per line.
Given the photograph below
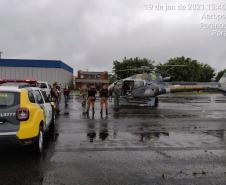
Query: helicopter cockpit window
127, 87
119, 84
153, 76
138, 84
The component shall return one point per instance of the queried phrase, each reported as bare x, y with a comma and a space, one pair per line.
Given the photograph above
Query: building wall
87, 78
50, 75
92, 75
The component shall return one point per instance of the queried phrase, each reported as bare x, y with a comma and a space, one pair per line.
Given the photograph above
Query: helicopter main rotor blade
175, 65
136, 69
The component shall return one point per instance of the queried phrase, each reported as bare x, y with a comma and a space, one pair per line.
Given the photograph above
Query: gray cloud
91, 34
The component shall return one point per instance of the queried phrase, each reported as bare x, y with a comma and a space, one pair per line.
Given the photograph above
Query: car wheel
156, 102
39, 142
53, 121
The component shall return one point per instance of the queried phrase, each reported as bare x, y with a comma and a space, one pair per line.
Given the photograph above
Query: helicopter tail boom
218, 86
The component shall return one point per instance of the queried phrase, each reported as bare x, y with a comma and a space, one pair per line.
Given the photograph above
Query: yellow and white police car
25, 114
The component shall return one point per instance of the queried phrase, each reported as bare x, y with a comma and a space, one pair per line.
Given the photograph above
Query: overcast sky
91, 34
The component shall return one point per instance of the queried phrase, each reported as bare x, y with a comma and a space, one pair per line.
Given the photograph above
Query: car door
47, 109
48, 106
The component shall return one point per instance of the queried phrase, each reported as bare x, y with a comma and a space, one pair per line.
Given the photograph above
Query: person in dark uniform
91, 99
84, 95
66, 95
116, 95
55, 95
104, 99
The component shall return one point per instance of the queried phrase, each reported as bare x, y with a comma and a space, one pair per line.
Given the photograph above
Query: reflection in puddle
195, 139
91, 133
146, 136
217, 133
92, 130
103, 131
166, 126
153, 138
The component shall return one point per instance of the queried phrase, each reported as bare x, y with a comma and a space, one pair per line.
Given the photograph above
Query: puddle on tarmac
105, 139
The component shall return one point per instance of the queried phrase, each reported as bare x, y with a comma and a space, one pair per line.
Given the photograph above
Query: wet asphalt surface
183, 141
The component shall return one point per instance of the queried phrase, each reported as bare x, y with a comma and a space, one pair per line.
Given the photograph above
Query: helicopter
143, 89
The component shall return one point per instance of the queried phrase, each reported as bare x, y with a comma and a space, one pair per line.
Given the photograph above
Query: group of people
90, 96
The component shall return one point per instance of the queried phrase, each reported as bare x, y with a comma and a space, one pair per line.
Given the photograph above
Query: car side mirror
49, 99
52, 99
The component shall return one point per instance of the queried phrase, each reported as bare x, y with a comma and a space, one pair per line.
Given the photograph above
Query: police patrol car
25, 114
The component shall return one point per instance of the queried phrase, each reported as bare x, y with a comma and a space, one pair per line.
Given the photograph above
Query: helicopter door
127, 87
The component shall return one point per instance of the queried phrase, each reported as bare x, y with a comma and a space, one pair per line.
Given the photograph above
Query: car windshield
42, 85
45, 96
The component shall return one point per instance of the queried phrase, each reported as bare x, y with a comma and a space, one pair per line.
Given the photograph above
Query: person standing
91, 99
116, 94
104, 99
59, 92
66, 95
83, 95
55, 96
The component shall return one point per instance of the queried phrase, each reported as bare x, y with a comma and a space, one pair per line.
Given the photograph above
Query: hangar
40, 70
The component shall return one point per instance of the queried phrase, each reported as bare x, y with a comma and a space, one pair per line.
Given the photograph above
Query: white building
40, 70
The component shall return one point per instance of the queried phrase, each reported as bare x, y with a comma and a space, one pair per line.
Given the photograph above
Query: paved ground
183, 142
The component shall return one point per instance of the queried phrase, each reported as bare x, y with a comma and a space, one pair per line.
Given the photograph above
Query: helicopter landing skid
150, 102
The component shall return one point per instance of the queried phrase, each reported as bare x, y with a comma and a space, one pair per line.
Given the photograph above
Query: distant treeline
179, 69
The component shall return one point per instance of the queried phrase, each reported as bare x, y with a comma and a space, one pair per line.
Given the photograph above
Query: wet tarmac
182, 142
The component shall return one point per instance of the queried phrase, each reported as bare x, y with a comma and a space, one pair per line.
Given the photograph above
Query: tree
191, 70
127, 67
207, 73
111, 78
220, 74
